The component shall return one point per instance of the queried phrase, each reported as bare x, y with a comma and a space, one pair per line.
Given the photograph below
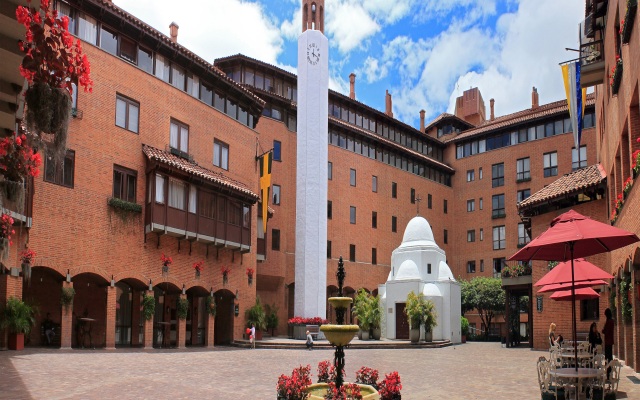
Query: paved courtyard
469, 371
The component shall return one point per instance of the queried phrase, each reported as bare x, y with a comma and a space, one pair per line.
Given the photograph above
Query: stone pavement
465, 372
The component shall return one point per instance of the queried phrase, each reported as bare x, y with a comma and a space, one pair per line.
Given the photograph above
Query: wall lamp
184, 291
68, 277
113, 282
150, 285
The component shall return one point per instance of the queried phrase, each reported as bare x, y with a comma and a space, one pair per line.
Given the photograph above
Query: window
429, 201
275, 239
523, 236
127, 113
497, 206
177, 194
471, 175
394, 224
471, 205
352, 252
374, 184
446, 236
277, 150
179, 139
221, 154
329, 209
413, 196
124, 183
480, 173
498, 263
276, 195
330, 170
471, 267
523, 171
352, 214
328, 248
374, 219
61, 174
374, 256
481, 234
207, 206
499, 239
160, 183
394, 190
481, 265
523, 194
429, 268
550, 164
145, 60
108, 40
444, 205
480, 203
578, 158
352, 177
471, 235
590, 309
497, 175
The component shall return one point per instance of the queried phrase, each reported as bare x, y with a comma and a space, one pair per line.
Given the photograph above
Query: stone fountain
340, 336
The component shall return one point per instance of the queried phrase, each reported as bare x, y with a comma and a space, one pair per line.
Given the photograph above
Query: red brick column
136, 317
181, 330
636, 322
619, 328
209, 329
148, 327
66, 324
110, 338
10, 286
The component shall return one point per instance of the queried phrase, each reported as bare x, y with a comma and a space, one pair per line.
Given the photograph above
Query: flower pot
26, 271
16, 341
197, 274
225, 279
250, 280
48, 111
428, 336
364, 334
414, 335
377, 333
360, 334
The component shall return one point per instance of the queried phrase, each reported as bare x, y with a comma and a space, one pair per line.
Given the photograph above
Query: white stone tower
312, 154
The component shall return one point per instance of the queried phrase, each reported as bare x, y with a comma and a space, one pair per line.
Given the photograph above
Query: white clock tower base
311, 175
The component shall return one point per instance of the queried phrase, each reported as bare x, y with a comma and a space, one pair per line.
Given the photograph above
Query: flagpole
573, 307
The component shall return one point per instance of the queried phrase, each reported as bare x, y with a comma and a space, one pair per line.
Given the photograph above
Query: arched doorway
196, 316
129, 322
43, 291
349, 292
165, 319
89, 310
223, 330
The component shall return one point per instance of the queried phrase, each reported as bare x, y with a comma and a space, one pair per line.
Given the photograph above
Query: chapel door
402, 325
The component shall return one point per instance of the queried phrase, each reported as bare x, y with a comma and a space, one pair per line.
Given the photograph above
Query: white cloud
349, 25
373, 70
214, 29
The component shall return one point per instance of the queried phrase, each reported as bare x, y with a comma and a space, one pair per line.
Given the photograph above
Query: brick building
189, 161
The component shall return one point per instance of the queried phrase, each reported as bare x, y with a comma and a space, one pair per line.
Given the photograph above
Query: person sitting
49, 329
309, 341
552, 335
594, 337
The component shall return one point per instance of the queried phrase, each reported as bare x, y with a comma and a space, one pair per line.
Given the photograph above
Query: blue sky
425, 52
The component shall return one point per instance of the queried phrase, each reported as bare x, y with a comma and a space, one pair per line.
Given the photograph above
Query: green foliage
612, 300
210, 305
182, 308
464, 326
625, 306
256, 316
420, 311
429, 315
124, 205
148, 306
272, 318
485, 295
18, 316
361, 309
375, 312
66, 298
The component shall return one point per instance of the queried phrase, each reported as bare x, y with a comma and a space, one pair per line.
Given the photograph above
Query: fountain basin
318, 390
340, 302
339, 335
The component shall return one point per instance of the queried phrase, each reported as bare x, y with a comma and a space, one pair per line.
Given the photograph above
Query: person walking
252, 336
309, 341
607, 331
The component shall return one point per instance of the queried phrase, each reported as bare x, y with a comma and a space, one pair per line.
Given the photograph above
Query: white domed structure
419, 265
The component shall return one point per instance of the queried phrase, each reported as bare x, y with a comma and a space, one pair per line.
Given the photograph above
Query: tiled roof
545, 110
444, 116
569, 183
177, 47
194, 169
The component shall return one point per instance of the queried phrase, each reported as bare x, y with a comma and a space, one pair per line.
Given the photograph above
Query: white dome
408, 270
444, 272
418, 230
431, 290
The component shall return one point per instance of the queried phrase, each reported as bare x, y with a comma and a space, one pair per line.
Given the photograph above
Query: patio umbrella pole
573, 306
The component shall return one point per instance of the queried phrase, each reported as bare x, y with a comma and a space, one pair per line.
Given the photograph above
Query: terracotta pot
16, 341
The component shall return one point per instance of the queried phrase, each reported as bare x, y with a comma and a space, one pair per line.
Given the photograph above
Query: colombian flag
265, 185
576, 97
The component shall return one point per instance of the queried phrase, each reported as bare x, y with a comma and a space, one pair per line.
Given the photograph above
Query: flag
265, 185
576, 98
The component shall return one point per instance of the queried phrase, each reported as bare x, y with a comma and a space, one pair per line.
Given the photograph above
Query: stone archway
196, 328
89, 319
165, 318
225, 314
44, 292
128, 324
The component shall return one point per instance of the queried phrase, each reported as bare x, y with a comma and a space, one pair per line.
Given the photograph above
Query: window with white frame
523, 169
179, 138
499, 238
471, 205
550, 164
471, 175
578, 158
177, 194
523, 236
221, 154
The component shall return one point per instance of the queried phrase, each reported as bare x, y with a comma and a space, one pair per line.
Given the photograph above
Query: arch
44, 291
305, 17
321, 19
170, 283
196, 316
636, 258
125, 312
132, 278
90, 301
91, 269
225, 311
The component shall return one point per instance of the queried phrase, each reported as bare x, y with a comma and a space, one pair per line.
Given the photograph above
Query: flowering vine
18, 159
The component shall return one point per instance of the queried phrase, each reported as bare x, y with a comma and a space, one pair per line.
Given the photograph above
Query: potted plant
361, 311
429, 318
256, 316
66, 297
25, 257
376, 316
225, 274
413, 311
6, 230
198, 266
210, 305
390, 387
464, 328
18, 162
272, 319
166, 262
250, 272
18, 317
182, 308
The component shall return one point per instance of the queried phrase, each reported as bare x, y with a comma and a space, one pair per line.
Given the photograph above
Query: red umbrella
580, 294
567, 286
573, 235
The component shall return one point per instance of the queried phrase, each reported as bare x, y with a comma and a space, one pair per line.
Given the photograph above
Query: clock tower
312, 160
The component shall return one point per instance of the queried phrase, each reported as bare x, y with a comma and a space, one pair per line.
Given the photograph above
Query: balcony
592, 67
17, 205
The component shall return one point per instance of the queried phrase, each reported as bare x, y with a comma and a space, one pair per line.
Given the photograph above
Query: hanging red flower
198, 266
18, 160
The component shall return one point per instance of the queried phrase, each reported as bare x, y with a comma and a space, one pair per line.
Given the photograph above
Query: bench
55, 341
314, 330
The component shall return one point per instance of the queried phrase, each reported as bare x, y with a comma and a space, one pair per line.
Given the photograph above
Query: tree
485, 295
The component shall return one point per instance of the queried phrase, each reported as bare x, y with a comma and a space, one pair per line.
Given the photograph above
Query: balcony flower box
616, 77
629, 19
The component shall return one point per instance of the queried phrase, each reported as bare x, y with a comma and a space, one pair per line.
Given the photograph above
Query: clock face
313, 54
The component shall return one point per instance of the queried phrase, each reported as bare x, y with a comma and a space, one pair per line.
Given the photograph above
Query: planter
364, 334
414, 335
258, 334
250, 280
517, 280
225, 279
464, 339
300, 332
629, 19
197, 274
16, 341
377, 333
360, 334
617, 78
317, 391
339, 335
428, 337
48, 111
26, 271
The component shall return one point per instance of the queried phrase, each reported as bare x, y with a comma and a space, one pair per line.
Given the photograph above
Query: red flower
198, 265
390, 387
27, 255
166, 260
18, 159
6, 227
225, 271
250, 272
